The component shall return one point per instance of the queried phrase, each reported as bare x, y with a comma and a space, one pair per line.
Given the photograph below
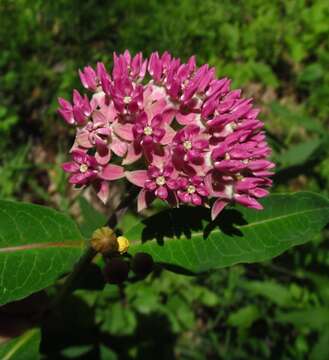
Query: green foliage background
278, 52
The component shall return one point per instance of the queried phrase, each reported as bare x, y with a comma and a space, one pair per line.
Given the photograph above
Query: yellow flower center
127, 99
191, 189
160, 180
187, 145
148, 130
83, 168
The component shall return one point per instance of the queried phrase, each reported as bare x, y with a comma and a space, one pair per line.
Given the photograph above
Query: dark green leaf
119, 320
297, 119
274, 292
321, 348
25, 347
185, 240
244, 317
298, 154
106, 353
37, 244
315, 318
322, 284
92, 219
74, 352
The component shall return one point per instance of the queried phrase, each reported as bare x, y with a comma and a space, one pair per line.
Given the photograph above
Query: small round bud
142, 264
104, 241
116, 271
123, 244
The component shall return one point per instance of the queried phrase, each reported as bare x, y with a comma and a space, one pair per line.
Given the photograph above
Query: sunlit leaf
37, 245
185, 240
24, 347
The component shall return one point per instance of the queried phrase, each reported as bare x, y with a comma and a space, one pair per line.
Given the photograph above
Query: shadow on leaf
183, 222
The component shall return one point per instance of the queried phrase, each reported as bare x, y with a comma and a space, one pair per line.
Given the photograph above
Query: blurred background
278, 52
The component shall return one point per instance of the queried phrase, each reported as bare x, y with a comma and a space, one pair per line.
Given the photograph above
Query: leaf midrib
63, 244
265, 221
25, 338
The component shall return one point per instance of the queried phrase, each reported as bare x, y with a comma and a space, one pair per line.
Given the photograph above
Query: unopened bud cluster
105, 241
117, 269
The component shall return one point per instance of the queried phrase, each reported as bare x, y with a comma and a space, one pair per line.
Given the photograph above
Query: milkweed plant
171, 132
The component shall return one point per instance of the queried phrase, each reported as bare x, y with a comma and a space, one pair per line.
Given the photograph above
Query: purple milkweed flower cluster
191, 138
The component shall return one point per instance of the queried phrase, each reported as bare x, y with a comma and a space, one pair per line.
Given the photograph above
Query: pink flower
126, 95
77, 113
190, 145
85, 170
126, 66
190, 138
94, 80
148, 132
192, 190
155, 182
96, 135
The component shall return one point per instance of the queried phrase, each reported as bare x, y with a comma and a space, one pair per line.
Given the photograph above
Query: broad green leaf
24, 347
185, 240
37, 244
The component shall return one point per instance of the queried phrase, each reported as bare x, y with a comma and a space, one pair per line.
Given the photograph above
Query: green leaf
321, 348
106, 353
312, 73
274, 292
25, 347
37, 244
244, 317
314, 318
74, 352
119, 320
182, 311
298, 154
185, 240
92, 219
297, 119
322, 284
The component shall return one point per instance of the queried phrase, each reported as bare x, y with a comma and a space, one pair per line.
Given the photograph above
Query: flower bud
123, 244
104, 241
142, 264
116, 270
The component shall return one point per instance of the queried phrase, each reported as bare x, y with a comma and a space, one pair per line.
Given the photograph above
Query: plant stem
74, 276
112, 222
90, 253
